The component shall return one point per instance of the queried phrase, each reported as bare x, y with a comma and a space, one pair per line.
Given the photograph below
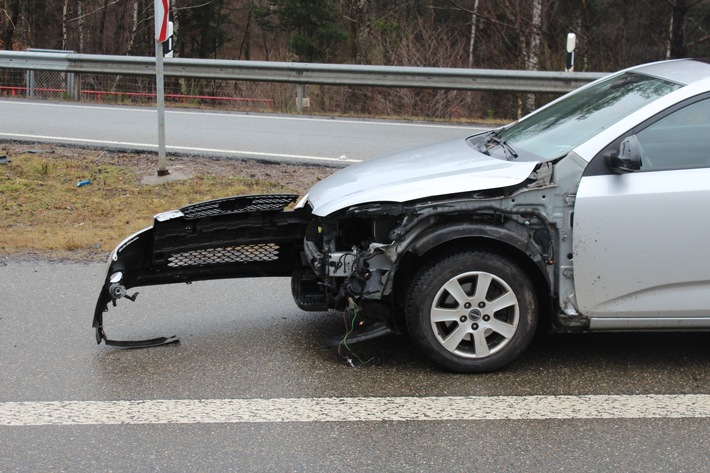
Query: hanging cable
349, 328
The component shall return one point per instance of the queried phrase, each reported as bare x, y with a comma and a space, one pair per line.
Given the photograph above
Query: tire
472, 311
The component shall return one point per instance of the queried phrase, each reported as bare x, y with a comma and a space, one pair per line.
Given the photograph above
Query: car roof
683, 71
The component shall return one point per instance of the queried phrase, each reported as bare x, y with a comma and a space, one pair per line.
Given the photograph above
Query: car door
641, 257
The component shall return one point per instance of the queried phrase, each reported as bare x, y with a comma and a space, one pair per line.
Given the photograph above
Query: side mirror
629, 157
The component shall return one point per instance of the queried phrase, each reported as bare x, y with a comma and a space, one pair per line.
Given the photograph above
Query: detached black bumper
236, 237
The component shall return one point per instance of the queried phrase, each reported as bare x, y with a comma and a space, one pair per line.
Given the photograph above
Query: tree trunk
134, 28
81, 25
360, 32
532, 58
678, 48
64, 24
102, 28
121, 26
131, 40
13, 16
245, 46
472, 41
218, 34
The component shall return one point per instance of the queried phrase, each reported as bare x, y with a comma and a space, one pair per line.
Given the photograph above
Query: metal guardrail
306, 73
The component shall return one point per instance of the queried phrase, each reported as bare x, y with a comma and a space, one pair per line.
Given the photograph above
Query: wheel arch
508, 239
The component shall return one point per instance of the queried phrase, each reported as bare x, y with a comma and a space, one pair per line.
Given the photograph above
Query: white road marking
356, 409
185, 149
256, 117
341, 120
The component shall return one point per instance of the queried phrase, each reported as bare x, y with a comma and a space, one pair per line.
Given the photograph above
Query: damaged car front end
355, 243
468, 245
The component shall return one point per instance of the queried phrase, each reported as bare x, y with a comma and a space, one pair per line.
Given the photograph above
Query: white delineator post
162, 9
569, 60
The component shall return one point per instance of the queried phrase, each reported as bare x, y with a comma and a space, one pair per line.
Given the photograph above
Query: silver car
584, 215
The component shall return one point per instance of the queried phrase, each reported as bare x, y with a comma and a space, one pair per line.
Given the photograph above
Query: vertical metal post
76, 93
73, 88
300, 93
70, 85
30, 83
160, 98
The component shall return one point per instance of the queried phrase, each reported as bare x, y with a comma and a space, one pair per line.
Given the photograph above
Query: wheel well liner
509, 238
511, 233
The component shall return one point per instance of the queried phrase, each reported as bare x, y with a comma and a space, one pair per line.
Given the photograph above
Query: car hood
450, 167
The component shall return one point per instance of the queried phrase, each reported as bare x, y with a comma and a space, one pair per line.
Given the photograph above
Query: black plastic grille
231, 254
240, 204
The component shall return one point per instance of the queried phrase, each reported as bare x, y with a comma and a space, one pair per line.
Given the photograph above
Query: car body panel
450, 167
676, 70
640, 244
654, 323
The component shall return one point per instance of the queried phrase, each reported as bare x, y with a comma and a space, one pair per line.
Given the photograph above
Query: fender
510, 233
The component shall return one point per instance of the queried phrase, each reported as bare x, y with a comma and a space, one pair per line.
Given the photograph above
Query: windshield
558, 129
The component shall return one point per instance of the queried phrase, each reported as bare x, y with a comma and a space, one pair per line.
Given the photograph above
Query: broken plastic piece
375, 330
83, 183
153, 342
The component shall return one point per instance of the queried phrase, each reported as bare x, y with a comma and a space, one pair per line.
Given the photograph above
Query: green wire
345, 340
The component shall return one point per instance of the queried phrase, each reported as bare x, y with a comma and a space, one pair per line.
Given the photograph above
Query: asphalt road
245, 341
284, 138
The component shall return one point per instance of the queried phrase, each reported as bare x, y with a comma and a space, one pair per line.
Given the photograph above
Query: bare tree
532, 53
356, 14
677, 47
102, 27
64, 24
472, 40
134, 28
11, 18
79, 6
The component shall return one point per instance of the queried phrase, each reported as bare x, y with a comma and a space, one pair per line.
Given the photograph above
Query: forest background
491, 34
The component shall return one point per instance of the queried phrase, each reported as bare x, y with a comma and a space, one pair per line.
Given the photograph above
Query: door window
680, 140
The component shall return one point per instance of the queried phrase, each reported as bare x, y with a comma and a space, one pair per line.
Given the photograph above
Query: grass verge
45, 214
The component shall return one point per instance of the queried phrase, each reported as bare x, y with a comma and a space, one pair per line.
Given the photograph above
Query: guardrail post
300, 93
30, 82
73, 86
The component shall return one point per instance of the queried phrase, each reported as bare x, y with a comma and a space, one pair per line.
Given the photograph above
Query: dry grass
44, 213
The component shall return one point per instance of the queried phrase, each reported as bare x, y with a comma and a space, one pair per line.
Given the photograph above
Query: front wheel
473, 311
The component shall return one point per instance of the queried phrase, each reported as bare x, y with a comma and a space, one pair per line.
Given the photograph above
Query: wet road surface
244, 341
